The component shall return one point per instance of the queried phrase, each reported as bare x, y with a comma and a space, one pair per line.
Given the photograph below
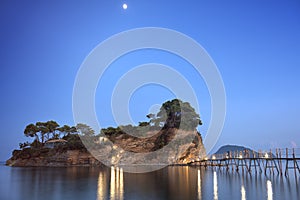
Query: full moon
125, 6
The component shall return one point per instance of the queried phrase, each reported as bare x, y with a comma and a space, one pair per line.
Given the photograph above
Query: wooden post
241, 160
275, 164
287, 162
254, 157
279, 161
295, 162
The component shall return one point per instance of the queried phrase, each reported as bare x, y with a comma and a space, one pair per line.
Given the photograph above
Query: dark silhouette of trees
43, 131
172, 114
85, 130
24, 145
31, 131
66, 130
52, 127
176, 114
144, 123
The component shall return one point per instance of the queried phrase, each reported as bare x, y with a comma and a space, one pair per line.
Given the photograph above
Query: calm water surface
168, 183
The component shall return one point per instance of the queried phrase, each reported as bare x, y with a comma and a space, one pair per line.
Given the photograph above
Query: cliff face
51, 157
180, 152
167, 146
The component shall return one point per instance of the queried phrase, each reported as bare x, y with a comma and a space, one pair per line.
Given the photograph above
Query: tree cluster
176, 114
172, 114
43, 131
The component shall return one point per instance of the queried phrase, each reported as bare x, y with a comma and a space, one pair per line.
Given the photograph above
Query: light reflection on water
243, 192
269, 190
116, 184
199, 185
116, 189
102, 186
169, 183
215, 186
112, 183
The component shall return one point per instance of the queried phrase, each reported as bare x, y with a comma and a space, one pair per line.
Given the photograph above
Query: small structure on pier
54, 143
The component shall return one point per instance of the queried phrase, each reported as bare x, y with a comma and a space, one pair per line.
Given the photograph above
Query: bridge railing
272, 153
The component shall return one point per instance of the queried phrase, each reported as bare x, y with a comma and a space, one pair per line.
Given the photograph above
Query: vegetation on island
173, 115
50, 130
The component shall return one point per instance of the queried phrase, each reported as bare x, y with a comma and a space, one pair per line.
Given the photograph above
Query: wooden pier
278, 161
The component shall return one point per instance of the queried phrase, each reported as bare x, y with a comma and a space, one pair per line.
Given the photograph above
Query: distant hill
235, 148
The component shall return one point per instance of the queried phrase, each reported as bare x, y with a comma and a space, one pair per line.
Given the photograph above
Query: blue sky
255, 44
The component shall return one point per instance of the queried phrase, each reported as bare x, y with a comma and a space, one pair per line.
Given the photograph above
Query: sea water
173, 182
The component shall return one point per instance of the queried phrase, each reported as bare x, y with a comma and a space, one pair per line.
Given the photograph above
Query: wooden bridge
278, 160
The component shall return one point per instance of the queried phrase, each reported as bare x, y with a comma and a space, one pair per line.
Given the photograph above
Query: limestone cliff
179, 146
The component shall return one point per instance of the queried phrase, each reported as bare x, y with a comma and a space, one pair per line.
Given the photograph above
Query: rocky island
173, 126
